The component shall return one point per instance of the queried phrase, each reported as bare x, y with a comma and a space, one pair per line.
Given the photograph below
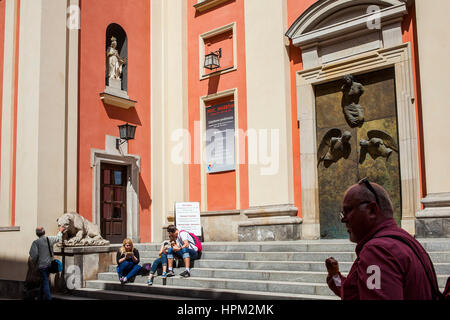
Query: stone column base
84, 263
270, 223
434, 220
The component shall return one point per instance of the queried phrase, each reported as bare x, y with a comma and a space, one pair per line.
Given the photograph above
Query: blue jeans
44, 292
162, 260
128, 269
183, 253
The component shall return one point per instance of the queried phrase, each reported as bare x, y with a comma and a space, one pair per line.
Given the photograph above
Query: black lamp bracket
119, 142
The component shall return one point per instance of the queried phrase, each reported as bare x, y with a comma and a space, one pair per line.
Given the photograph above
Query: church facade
262, 111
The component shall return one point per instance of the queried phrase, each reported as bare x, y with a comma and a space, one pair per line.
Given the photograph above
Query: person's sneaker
185, 274
170, 274
149, 282
164, 275
121, 280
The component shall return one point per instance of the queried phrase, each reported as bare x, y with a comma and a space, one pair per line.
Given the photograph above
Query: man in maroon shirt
387, 265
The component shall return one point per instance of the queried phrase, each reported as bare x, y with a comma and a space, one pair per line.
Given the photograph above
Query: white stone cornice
304, 30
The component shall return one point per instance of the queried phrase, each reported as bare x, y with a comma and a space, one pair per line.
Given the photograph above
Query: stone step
436, 256
293, 246
270, 256
199, 292
441, 268
308, 288
267, 275
318, 266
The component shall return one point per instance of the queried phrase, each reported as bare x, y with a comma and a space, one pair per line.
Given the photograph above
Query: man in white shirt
184, 248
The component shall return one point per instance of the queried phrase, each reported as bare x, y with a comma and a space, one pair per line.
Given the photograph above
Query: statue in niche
380, 144
115, 62
353, 112
334, 146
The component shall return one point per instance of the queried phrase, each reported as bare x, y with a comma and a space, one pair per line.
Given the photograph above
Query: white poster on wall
187, 217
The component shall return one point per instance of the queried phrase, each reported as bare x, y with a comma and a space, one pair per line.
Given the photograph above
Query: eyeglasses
342, 215
366, 182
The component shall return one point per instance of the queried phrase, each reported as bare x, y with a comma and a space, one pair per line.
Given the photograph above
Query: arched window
115, 31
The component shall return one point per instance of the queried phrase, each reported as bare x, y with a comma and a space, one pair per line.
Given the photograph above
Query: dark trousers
44, 292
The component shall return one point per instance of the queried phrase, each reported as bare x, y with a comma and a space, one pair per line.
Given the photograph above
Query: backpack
197, 242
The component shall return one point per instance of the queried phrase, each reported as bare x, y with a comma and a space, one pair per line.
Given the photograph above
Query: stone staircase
249, 270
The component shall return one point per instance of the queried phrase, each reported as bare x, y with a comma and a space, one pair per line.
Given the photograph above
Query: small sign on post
187, 217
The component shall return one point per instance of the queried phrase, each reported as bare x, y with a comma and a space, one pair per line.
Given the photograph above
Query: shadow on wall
129, 115
145, 200
12, 278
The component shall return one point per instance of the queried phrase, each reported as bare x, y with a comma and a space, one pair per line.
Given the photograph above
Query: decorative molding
133, 162
212, 33
311, 20
271, 211
220, 213
9, 229
202, 134
301, 36
116, 101
437, 205
333, 30
398, 57
204, 5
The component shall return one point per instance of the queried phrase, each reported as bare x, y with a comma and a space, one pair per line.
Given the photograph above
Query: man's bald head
364, 207
361, 192
40, 231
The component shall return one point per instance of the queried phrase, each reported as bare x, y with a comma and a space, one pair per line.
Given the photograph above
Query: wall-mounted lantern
212, 60
126, 132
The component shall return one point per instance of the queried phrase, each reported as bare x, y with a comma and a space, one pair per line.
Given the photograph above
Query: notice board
220, 137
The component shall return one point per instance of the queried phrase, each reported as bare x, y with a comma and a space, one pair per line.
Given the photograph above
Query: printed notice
220, 137
187, 217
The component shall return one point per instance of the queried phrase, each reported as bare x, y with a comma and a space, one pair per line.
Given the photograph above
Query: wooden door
113, 202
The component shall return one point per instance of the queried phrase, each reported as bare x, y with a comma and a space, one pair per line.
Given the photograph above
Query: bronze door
113, 202
343, 167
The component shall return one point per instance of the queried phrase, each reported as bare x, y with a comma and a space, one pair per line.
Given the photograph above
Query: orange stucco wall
221, 188
97, 120
295, 8
410, 35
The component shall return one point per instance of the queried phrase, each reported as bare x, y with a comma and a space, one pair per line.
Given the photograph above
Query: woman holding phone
127, 261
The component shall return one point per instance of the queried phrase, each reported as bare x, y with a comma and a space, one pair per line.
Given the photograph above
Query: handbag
55, 265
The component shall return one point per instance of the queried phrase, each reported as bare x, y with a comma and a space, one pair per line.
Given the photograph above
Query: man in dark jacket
387, 265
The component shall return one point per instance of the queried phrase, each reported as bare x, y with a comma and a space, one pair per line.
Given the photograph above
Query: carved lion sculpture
79, 231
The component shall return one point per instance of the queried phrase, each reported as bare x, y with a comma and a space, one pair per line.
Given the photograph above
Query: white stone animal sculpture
79, 231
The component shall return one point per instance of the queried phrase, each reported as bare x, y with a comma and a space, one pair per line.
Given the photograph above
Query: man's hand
332, 266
